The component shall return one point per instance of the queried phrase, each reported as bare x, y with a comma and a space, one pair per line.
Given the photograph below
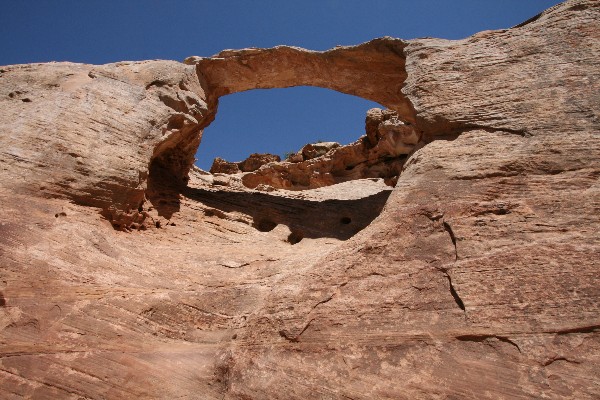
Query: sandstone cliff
127, 273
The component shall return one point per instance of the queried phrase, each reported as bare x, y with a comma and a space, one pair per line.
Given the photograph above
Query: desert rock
125, 273
381, 155
252, 163
314, 150
220, 166
256, 160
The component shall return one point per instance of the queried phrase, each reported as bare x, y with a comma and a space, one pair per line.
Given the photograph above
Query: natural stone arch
374, 70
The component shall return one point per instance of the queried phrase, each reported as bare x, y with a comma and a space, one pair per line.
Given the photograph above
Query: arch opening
280, 122
375, 141
384, 141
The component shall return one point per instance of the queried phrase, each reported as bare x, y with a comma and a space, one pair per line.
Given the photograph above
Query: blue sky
276, 120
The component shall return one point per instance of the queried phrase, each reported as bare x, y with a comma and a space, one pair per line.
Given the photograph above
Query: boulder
314, 150
256, 160
221, 166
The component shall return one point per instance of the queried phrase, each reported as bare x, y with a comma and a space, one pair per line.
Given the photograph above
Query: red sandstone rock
252, 163
314, 150
255, 161
221, 166
476, 277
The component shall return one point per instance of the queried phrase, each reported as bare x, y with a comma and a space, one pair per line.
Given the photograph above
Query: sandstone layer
127, 273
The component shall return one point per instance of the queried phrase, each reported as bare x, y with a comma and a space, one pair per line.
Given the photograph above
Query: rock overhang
484, 258
372, 70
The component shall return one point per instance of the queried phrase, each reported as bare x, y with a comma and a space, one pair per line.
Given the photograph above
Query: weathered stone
373, 70
221, 180
375, 116
252, 163
475, 277
295, 157
256, 160
328, 163
221, 166
314, 150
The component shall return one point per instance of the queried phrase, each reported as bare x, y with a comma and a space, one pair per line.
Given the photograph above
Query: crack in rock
454, 294
448, 229
287, 335
483, 337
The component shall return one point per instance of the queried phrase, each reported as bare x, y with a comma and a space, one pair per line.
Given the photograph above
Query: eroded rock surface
475, 277
221, 166
93, 134
379, 154
252, 163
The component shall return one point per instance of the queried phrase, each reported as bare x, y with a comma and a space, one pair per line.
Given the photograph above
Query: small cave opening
265, 225
295, 237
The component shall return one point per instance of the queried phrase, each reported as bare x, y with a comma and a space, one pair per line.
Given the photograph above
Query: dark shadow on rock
163, 190
340, 219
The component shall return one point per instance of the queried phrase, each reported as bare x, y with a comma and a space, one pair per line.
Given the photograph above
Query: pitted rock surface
475, 277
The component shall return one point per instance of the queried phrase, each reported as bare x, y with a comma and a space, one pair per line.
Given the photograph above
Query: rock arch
484, 256
374, 70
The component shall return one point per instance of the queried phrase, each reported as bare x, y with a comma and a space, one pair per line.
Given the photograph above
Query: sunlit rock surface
127, 273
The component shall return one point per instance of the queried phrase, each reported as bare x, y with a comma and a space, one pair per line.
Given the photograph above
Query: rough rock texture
374, 70
221, 166
95, 134
379, 154
256, 160
476, 277
252, 163
314, 150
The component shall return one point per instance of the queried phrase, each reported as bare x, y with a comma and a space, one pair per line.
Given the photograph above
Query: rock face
255, 161
475, 277
99, 135
314, 150
221, 166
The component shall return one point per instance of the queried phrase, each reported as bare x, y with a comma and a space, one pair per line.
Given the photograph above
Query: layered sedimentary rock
92, 133
475, 277
374, 70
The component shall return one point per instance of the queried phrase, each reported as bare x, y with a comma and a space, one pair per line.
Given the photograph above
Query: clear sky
275, 120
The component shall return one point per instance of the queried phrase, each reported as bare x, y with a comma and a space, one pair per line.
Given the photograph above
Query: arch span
374, 70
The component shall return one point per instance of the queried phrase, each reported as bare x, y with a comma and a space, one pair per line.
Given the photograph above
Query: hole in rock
326, 138
280, 121
265, 225
295, 237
